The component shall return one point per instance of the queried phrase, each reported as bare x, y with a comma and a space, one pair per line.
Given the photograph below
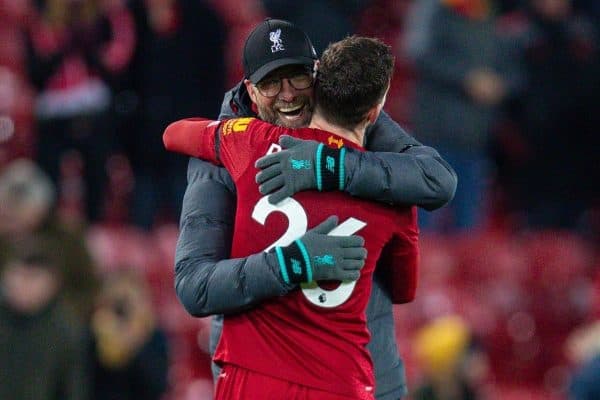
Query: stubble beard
270, 115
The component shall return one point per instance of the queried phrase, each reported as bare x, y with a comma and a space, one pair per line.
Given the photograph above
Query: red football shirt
313, 336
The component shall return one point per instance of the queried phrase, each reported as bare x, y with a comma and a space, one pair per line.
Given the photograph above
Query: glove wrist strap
329, 168
294, 263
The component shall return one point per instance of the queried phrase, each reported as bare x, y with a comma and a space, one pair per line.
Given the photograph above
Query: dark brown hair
353, 76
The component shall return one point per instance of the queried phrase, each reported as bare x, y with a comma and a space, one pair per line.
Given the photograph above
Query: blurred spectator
240, 17
179, 71
550, 168
583, 347
129, 349
42, 351
16, 133
75, 50
13, 16
324, 21
463, 74
454, 366
27, 206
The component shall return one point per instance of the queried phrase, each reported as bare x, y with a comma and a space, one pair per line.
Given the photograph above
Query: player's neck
356, 136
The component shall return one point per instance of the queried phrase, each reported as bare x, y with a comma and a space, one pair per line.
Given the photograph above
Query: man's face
28, 288
20, 217
291, 107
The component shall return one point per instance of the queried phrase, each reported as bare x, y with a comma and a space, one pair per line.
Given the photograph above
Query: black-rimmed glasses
270, 87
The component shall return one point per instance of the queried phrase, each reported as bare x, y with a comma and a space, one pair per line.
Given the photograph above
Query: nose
287, 92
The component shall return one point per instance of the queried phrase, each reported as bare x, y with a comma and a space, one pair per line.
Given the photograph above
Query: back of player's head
353, 77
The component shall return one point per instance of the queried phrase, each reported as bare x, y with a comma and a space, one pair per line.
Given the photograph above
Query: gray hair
23, 182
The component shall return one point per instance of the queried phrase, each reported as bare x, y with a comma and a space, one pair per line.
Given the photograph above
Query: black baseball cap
273, 44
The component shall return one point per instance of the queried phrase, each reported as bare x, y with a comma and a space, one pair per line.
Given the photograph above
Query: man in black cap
278, 62
275, 50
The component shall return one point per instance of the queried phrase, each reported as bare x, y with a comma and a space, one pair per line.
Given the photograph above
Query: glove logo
236, 125
300, 164
330, 164
296, 267
326, 259
331, 140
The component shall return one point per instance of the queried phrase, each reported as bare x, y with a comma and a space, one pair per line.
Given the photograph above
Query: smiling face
291, 107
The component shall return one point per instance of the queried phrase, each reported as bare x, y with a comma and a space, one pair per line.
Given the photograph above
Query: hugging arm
399, 170
206, 281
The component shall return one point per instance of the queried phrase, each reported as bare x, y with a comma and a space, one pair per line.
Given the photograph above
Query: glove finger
269, 172
351, 276
268, 160
271, 185
355, 253
279, 195
353, 265
351, 241
287, 141
326, 226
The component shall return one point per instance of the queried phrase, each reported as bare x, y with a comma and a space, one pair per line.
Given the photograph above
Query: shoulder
240, 125
237, 103
387, 135
249, 130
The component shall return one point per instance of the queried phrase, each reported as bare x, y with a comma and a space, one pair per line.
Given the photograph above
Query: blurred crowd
507, 91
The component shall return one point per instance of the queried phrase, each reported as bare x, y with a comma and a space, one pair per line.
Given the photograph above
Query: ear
251, 89
374, 112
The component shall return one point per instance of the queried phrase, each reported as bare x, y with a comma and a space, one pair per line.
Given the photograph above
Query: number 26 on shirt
297, 226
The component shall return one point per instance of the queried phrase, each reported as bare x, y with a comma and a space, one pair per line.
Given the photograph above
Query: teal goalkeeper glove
301, 165
318, 256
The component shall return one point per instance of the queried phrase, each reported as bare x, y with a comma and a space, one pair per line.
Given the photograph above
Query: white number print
297, 225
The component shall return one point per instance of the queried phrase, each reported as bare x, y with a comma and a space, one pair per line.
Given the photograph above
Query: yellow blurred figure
454, 365
440, 344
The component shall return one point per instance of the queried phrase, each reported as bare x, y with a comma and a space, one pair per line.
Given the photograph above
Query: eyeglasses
271, 87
